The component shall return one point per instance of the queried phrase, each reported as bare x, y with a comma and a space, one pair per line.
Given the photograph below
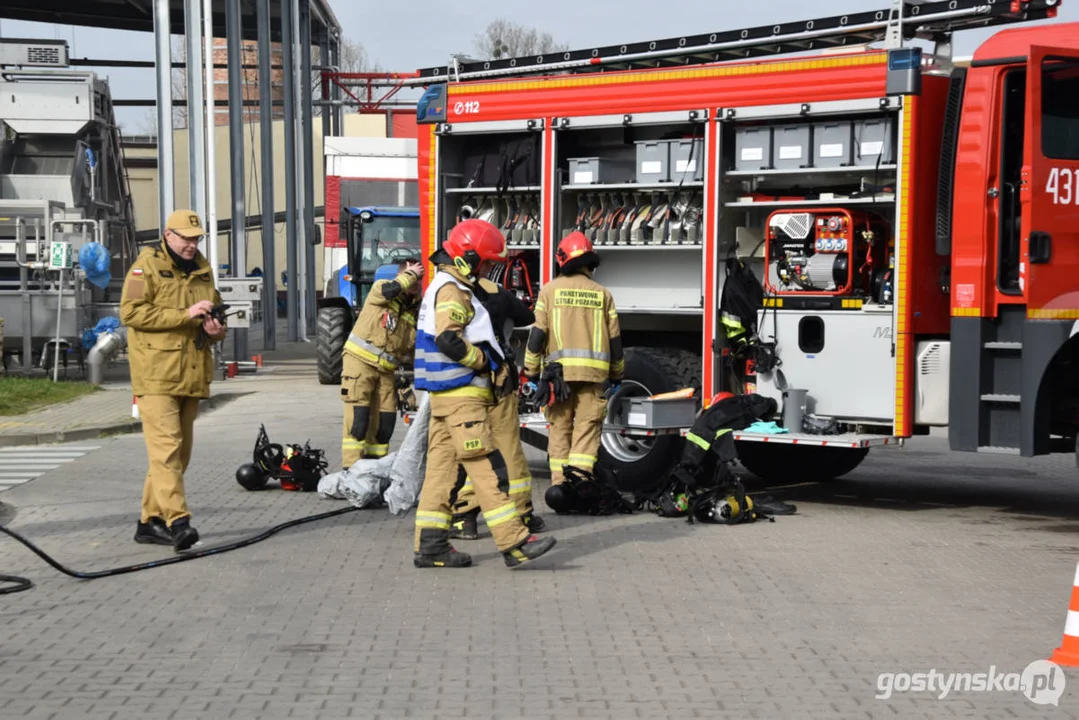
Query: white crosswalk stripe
23, 464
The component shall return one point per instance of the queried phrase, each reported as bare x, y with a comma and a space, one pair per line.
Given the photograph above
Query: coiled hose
18, 584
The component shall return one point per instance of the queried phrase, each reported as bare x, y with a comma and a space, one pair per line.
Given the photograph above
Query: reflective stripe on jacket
385, 332
436, 372
580, 324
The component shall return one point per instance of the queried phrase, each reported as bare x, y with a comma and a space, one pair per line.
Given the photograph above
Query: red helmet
572, 246
473, 241
721, 396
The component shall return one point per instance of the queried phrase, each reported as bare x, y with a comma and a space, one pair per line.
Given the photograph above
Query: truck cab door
1049, 267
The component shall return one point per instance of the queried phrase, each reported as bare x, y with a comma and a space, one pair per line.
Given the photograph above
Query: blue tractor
377, 238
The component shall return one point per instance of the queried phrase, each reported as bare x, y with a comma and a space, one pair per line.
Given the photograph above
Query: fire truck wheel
331, 332
642, 463
782, 464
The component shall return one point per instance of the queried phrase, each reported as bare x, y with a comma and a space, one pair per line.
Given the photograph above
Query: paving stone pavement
922, 559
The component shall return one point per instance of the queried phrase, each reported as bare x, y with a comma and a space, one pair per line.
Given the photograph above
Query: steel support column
301, 128
291, 248
166, 193
196, 132
238, 236
208, 117
269, 250
308, 139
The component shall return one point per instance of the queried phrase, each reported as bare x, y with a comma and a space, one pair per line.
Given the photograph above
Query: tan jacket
577, 327
384, 335
161, 337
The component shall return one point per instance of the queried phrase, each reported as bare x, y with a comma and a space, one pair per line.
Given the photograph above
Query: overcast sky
401, 37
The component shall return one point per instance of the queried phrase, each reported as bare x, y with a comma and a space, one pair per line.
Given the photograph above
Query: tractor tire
778, 463
331, 333
642, 463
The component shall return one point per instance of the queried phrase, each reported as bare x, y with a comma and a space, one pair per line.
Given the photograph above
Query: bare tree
353, 57
505, 39
148, 124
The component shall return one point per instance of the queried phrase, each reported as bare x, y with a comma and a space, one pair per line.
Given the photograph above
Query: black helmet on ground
251, 476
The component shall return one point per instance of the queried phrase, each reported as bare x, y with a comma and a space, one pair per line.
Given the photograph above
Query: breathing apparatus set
297, 468
587, 493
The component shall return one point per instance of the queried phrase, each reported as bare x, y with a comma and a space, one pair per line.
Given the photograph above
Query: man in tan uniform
507, 311
383, 338
459, 361
166, 302
577, 327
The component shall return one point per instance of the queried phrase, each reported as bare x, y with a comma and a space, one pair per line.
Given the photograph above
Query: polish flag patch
136, 271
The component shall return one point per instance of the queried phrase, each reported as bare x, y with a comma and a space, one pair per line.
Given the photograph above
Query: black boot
533, 522
183, 535
450, 558
530, 549
155, 532
466, 526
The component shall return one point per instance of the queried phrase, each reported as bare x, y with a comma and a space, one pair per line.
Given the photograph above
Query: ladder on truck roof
905, 20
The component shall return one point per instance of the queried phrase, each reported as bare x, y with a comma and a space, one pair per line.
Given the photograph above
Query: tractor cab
376, 236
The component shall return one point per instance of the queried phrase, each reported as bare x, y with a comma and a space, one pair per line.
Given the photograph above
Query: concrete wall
144, 183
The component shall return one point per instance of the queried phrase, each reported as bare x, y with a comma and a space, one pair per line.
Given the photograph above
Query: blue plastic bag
96, 262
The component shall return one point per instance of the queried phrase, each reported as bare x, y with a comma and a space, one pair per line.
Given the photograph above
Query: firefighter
507, 312
382, 340
166, 304
577, 338
459, 362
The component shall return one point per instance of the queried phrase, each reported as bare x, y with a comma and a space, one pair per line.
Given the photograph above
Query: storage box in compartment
653, 161
874, 142
832, 144
753, 148
652, 414
687, 160
791, 146
594, 170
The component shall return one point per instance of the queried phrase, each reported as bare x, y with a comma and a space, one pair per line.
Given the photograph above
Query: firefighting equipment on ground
587, 493
457, 358
298, 468
380, 342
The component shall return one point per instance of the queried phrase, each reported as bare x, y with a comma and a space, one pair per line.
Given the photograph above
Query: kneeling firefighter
459, 361
577, 338
507, 311
382, 339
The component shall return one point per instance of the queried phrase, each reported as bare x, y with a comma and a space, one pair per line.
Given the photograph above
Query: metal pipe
108, 344
269, 251
237, 249
166, 195
290, 174
302, 128
308, 164
196, 130
211, 144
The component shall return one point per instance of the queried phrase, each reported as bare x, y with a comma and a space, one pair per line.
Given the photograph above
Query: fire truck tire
783, 464
641, 463
331, 332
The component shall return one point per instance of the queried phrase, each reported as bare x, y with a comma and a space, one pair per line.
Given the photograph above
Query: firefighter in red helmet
576, 330
459, 362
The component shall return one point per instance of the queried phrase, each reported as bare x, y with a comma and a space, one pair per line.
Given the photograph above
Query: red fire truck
914, 225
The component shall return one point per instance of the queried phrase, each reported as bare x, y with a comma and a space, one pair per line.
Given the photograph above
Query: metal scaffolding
299, 26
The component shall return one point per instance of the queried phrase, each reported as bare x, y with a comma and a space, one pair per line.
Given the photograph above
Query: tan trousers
460, 436
576, 426
506, 428
168, 426
371, 392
